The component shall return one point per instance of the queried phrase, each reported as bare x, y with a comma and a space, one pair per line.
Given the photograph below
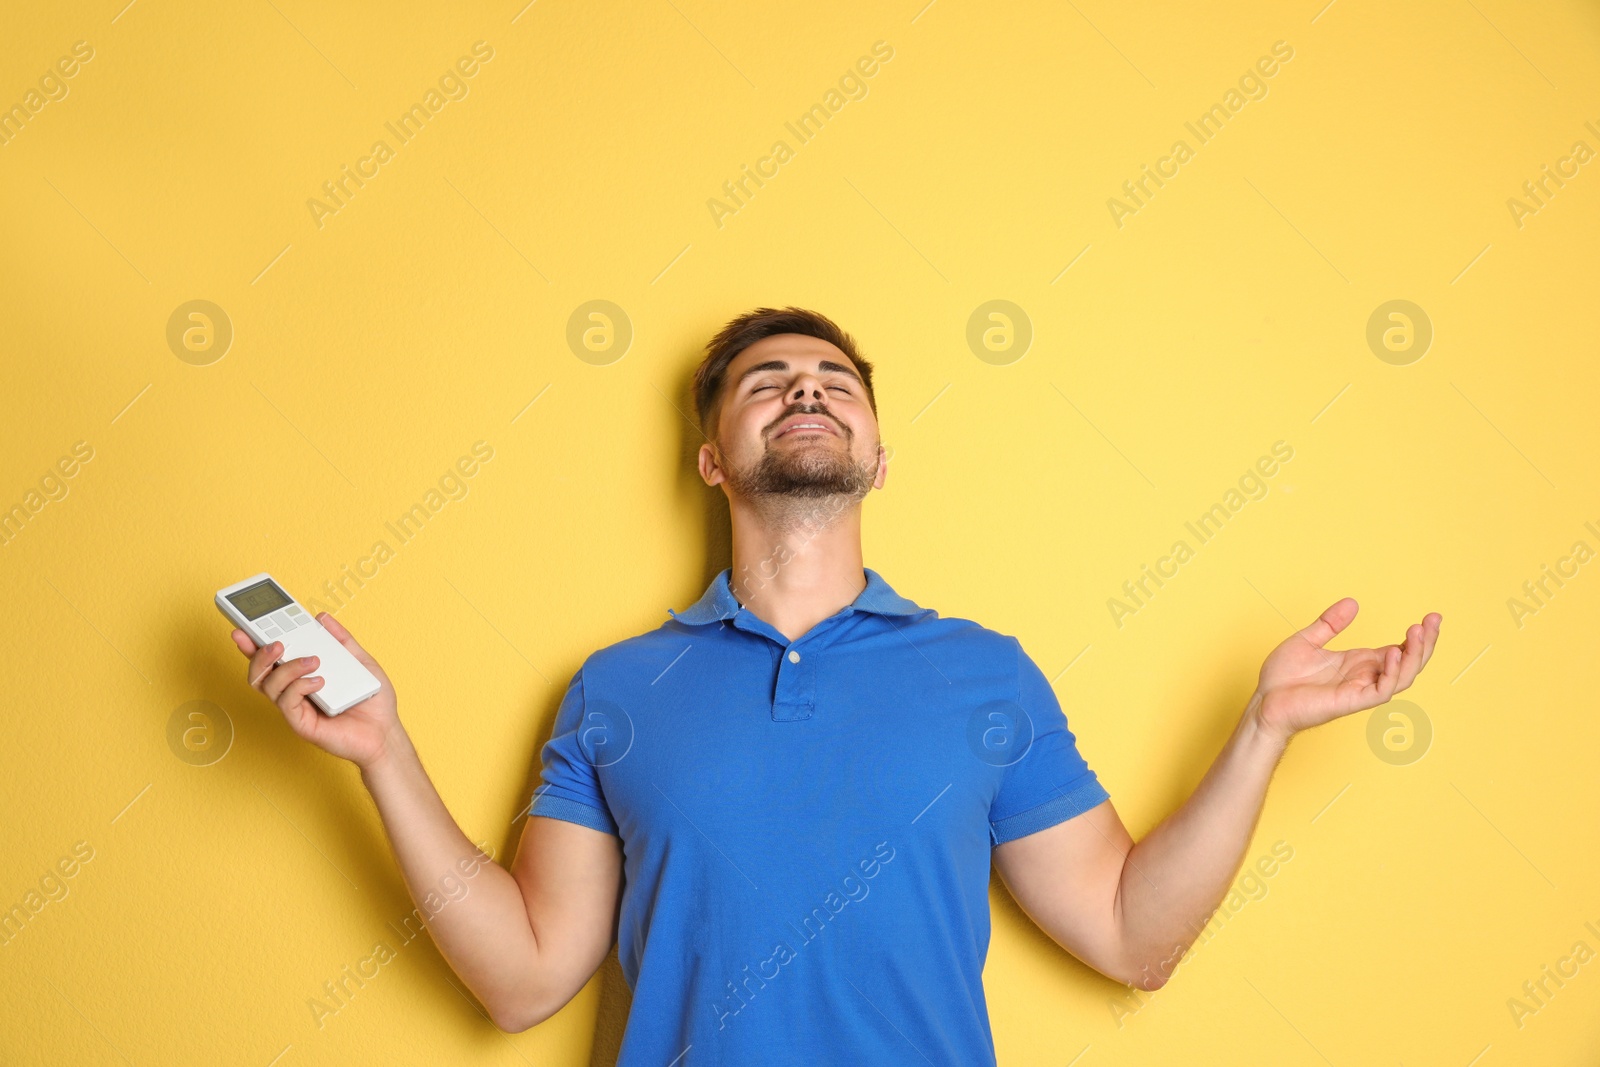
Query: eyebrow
823, 367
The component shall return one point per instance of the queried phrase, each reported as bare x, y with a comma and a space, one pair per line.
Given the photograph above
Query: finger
1410, 657
242, 641
1391, 673
1330, 622
296, 691
1419, 649
1430, 635
276, 682
261, 663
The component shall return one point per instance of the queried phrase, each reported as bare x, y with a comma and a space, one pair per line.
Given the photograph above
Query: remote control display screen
259, 599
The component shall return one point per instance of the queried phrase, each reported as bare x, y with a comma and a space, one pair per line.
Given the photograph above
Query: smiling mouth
806, 427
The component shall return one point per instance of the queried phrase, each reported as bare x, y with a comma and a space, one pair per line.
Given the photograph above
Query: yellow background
368, 354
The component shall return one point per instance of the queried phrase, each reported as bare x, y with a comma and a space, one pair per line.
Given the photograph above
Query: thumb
1330, 622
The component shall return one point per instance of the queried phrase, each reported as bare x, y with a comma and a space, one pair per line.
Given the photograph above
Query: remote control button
272, 631
294, 609
288, 624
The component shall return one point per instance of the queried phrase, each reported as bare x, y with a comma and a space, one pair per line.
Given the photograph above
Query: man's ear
884, 453
710, 465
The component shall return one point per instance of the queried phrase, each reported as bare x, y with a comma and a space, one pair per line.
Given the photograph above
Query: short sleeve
1051, 782
569, 788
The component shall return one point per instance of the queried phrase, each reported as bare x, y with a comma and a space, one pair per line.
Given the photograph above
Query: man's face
794, 420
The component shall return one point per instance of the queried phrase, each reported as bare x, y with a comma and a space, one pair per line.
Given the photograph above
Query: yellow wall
373, 345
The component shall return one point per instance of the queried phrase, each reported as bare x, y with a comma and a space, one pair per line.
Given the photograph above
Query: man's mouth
805, 425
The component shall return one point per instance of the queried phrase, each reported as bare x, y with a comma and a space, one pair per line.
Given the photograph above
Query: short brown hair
744, 331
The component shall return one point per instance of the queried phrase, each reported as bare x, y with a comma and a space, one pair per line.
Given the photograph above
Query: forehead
798, 350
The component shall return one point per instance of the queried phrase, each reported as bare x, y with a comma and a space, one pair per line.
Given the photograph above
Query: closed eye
841, 388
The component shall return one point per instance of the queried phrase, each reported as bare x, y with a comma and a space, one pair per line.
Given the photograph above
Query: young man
785, 800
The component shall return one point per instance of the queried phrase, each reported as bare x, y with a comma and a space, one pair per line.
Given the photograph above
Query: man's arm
1132, 910
525, 941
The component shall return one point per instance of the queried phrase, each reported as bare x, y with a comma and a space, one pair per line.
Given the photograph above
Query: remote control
260, 607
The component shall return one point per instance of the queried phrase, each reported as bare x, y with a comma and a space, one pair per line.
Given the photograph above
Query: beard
803, 473
815, 473
806, 489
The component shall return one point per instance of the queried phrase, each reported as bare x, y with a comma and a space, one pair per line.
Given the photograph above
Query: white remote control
261, 608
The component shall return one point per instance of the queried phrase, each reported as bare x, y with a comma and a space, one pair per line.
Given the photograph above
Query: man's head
787, 407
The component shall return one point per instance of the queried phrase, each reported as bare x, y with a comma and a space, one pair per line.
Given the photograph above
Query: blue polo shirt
806, 825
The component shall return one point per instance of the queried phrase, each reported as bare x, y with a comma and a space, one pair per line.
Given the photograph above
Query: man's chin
811, 490
806, 476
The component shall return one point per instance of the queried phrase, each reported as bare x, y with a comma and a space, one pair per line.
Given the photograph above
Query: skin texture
525, 941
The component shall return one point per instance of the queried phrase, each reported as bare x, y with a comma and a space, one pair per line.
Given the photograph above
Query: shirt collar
719, 603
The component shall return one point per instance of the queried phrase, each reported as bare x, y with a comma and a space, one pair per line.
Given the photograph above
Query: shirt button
794, 657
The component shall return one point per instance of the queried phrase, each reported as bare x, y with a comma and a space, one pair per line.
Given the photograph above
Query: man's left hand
1303, 684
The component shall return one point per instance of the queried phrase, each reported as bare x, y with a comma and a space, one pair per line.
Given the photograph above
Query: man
785, 800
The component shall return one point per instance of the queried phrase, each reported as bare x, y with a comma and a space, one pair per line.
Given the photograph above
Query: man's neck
797, 565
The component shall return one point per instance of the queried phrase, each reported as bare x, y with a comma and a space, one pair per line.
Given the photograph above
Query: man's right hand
363, 734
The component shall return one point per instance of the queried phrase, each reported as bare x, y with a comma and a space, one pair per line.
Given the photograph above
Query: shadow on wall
693, 493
